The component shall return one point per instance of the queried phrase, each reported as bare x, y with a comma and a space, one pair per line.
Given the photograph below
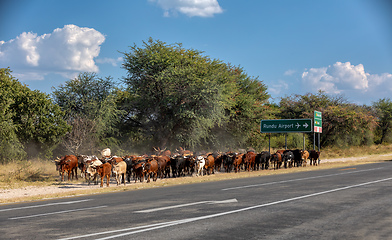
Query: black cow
297, 157
262, 160
288, 158
178, 165
314, 157
228, 160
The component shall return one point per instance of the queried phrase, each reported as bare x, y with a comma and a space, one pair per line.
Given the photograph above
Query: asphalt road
341, 203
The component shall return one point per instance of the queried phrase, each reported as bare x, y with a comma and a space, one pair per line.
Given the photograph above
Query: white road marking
298, 179
53, 213
45, 205
185, 205
152, 227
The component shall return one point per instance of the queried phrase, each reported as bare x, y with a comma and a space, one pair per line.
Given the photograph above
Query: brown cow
163, 166
184, 152
314, 157
304, 157
138, 170
69, 164
277, 160
104, 170
162, 152
210, 163
237, 162
249, 160
151, 169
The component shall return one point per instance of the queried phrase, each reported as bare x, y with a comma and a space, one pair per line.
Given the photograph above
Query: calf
104, 170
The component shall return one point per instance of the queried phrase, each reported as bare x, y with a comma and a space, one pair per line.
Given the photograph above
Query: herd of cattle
181, 163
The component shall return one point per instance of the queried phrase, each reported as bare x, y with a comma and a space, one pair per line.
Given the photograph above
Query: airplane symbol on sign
297, 125
305, 125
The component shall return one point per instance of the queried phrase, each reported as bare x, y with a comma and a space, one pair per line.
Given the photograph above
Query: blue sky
294, 47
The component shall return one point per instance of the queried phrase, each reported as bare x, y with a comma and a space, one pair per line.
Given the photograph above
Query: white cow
200, 163
120, 169
91, 171
106, 153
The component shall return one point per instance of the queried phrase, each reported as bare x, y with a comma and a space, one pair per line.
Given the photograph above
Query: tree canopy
30, 122
89, 104
177, 96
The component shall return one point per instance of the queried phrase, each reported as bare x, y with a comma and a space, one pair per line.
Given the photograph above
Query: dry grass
27, 173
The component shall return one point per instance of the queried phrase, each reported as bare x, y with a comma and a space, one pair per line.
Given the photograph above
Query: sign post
318, 122
317, 128
286, 125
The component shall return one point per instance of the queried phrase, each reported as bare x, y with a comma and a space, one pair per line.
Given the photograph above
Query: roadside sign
318, 122
286, 125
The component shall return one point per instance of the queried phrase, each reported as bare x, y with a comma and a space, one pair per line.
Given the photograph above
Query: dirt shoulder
76, 188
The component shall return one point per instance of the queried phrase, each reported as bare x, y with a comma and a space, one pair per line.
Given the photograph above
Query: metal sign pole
269, 143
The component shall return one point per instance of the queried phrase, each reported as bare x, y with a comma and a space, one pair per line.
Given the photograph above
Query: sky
342, 47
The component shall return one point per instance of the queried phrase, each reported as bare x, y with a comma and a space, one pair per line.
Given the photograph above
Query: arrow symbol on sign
305, 125
297, 125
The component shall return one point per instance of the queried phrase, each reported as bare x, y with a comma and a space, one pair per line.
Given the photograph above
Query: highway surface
340, 203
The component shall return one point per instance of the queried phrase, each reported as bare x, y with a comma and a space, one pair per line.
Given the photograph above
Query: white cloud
112, 61
349, 80
65, 51
191, 8
289, 72
279, 87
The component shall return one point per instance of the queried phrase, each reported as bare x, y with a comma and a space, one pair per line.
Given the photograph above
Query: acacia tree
344, 124
31, 123
177, 96
89, 103
383, 112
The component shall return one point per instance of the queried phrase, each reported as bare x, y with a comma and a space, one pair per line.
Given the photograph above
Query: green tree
31, 116
89, 103
10, 146
344, 124
383, 112
177, 96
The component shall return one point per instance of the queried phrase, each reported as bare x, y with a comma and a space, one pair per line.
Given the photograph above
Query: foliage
31, 122
176, 96
344, 124
89, 104
10, 146
383, 111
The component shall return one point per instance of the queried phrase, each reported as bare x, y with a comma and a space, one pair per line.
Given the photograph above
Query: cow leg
148, 179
